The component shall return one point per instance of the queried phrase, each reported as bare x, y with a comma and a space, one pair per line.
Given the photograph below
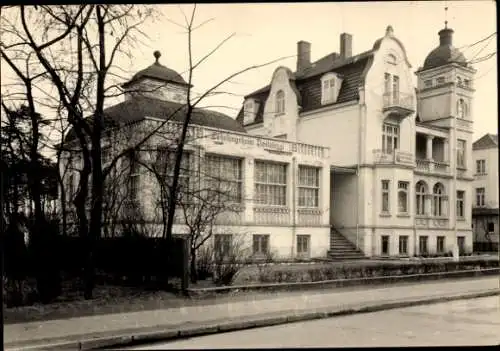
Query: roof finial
157, 55
445, 15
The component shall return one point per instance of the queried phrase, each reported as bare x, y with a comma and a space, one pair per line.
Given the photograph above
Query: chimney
345, 46
303, 55
446, 37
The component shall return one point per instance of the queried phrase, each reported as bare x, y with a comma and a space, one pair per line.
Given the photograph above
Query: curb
339, 283
165, 335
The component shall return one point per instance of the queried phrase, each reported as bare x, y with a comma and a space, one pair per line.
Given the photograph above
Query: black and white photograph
249, 175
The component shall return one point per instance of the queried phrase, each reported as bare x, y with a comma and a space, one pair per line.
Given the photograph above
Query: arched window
438, 198
403, 197
280, 101
461, 108
420, 191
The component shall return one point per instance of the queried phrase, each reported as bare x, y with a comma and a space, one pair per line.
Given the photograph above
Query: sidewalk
285, 305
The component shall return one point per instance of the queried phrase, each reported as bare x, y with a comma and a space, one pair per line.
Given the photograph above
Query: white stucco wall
489, 181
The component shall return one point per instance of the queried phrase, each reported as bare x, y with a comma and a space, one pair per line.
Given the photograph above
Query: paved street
463, 322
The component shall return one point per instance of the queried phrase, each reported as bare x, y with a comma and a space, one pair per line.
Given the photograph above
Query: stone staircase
342, 249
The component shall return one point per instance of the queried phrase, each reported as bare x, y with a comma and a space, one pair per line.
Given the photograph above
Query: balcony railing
400, 103
430, 166
396, 157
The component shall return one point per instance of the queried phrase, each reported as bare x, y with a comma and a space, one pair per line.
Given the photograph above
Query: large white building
485, 206
400, 158
344, 148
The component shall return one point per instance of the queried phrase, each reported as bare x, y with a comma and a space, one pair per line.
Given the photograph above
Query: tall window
261, 244
403, 244
460, 153
134, 179
481, 166
403, 197
308, 186
420, 192
328, 93
385, 244
480, 192
387, 83
224, 177
303, 245
438, 197
390, 138
164, 166
461, 108
460, 203
270, 183
385, 196
422, 244
440, 244
280, 101
395, 89
222, 245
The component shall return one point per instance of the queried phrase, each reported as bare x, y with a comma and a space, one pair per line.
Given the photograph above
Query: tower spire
445, 15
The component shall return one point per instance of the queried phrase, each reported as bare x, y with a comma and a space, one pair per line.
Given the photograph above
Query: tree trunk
194, 273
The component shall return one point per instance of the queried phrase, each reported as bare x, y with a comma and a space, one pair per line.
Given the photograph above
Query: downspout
294, 206
362, 127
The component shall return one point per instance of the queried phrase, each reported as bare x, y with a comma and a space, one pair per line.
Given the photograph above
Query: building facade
400, 157
345, 145
485, 186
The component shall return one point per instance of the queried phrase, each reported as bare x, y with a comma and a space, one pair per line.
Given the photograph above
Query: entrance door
461, 245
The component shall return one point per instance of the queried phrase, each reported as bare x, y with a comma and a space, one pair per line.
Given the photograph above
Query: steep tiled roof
137, 108
485, 142
308, 84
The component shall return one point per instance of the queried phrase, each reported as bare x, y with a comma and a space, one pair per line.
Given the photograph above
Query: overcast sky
269, 31
265, 32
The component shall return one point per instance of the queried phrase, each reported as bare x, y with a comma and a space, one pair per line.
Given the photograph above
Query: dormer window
280, 102
248, 112
330, 86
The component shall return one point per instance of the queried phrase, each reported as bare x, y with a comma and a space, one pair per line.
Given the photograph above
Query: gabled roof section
308, 85
138, 108
487, 141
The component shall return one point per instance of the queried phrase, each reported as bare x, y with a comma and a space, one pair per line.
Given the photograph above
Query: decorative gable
330, 88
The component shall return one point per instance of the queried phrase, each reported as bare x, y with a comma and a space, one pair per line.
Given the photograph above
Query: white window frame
480, 197
460, 208
385, 186
403, 244
224, 174
438, 195
382, 245
329, 88
459, 81
270, 183
440, 241
420, 193
403, 191
303, 240
167, 171
257, 243
390, 138
280, 102
461, 146
309, 185
481, 167
248, 112
423, 239
222, 245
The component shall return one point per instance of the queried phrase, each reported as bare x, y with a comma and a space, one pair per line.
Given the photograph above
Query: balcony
429, 166
398, 104
396, 157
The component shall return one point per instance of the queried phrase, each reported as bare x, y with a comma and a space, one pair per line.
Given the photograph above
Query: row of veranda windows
391, 138
437, 203
423, 247
223, 179
224, 244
